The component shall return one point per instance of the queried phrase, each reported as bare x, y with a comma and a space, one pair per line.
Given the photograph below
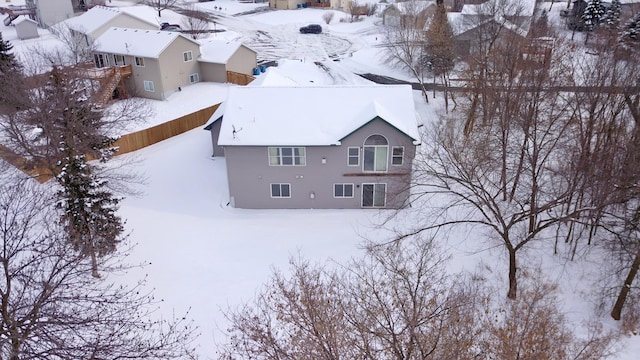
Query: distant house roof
23, 19
93, 19
136, 42
312, 116
411, 7
96, 17
501, 8
218, 51
515, 16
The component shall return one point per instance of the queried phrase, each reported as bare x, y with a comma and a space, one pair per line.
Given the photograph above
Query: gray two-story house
334, 147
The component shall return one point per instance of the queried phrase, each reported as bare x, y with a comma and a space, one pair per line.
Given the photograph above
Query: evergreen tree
439, 38
593, 15
88, 207
440, 42
10, 79
88, 210
612, 17
630, 32
6, 58
541, 27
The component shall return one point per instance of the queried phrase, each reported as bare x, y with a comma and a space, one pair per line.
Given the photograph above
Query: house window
376, 149
287, 156
374, 195
342, 190
187, 56
139, 61
397, 155
280, 190
118, 60
101, 60
353, 157
194, 78
148, 86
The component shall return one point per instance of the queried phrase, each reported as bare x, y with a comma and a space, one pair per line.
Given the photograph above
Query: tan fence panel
239, 78
143, 138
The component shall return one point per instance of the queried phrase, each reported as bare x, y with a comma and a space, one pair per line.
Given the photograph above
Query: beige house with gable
219, 56
161, 61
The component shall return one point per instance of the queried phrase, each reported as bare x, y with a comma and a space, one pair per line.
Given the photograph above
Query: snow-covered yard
204, 255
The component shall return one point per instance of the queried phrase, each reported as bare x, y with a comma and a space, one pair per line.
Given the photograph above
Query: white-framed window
187, 56
101, 60
194, 78
353, 156
148, 86
287, 156
397, 155
374, 195
342, 190
376, 152
118, 60
280, 190
139, 61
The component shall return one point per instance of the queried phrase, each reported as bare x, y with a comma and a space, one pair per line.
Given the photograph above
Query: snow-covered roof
312, 116
23, 19
97, 17
273, 77
93, 19
136, 42
501, 7
499, 11
218, 51
412, 7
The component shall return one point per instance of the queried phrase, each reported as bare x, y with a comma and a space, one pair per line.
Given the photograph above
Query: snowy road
273, 42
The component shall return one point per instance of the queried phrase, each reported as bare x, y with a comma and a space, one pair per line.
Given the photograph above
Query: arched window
376, 151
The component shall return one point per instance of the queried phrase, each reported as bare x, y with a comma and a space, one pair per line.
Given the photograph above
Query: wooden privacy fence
143, 138
126, 143
239, 78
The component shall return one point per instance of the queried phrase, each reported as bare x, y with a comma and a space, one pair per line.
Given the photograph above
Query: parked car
169, 27
311, 29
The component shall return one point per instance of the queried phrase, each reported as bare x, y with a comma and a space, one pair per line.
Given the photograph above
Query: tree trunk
513, 281
622, 296
159, 12
94, 262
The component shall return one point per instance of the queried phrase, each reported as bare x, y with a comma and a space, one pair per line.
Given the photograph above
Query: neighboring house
50, 12
476, 24
286, 4
344, 5
412, 14
161, 61
93, 23
26, 28
317, 147
218, 57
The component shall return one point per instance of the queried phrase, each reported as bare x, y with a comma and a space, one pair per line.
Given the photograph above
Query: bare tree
195, 22
328, 16
51, 306
534, 327
77, 49
160, 5
397, 303
405, 45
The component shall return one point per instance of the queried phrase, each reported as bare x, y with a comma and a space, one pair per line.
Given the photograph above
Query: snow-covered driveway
280, 40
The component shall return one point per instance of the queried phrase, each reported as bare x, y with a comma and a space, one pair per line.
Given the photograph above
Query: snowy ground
205, 255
